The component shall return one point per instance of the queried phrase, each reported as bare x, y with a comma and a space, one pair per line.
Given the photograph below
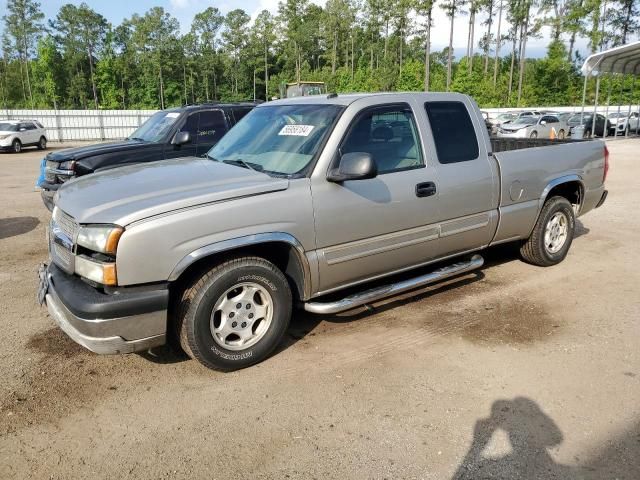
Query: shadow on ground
530, 433
11, 227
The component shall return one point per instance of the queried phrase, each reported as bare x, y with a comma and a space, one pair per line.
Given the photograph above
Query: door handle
425, 189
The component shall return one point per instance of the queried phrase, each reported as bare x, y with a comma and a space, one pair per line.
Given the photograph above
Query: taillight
606, 163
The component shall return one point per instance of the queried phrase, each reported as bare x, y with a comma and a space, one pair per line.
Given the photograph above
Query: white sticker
172, 115
296, 130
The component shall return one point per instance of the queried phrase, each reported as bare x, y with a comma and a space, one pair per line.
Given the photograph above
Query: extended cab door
468, 188
366, 228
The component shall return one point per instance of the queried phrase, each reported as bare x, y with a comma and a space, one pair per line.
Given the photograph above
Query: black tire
533, 135
534, 250
561, 135
42, 143
16, 146
193, 317
586, 134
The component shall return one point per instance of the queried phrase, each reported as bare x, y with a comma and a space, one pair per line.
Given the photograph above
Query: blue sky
184, 10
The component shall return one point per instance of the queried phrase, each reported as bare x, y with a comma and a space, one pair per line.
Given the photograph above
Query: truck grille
62, 235
66, 223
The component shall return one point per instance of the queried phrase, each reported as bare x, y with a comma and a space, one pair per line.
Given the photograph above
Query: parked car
586, 120
304, 198
178, 132
528, 113
623, 123
563, 125
17, 134
534, 127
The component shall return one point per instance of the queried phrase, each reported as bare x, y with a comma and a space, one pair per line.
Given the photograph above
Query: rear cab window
453, 132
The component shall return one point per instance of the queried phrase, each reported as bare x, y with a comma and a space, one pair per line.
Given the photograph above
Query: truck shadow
530, 433
11, 227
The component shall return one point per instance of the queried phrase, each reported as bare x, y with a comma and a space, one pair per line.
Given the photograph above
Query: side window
389, 135
23, 125
212, 126
240, 112
38, 124
453, 132
30, 126
191, 126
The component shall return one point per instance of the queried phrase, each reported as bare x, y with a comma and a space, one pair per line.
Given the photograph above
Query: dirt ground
513, 372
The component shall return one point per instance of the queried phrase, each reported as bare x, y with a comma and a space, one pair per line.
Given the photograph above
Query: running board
378, 293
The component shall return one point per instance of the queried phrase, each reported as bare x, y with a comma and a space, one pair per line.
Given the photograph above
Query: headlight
2, 137
103, 239
101, 272
67, 165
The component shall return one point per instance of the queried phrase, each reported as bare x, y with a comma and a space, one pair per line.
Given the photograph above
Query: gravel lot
513, 372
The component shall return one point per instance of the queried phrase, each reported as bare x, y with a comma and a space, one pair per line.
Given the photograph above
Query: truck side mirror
181, 138
543, 122
354, 166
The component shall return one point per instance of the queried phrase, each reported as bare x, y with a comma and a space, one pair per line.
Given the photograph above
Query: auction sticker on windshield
296, 130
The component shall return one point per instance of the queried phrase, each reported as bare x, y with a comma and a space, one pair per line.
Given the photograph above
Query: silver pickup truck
303, 198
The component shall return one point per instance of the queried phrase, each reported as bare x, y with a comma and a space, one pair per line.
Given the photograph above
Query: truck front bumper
47, 192
129, 320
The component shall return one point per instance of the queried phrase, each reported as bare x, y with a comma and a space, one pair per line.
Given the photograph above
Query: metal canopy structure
623, 60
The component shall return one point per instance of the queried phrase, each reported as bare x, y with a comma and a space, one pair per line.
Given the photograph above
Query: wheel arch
282, 249
570, 187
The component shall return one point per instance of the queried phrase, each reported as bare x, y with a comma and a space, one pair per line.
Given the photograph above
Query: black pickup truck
179, 132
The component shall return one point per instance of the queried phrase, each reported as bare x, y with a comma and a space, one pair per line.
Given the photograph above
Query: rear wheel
235, 314
552, 235
42, 144
16, 146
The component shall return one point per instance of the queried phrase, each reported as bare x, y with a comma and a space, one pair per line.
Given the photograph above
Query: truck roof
348, 98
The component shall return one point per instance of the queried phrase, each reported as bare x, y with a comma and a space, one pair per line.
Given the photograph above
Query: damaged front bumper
128, 320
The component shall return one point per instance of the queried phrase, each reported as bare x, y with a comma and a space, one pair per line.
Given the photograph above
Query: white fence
78, 125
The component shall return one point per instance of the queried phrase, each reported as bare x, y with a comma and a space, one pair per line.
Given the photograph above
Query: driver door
371, 227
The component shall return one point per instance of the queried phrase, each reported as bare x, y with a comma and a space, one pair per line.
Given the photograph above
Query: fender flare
248, 240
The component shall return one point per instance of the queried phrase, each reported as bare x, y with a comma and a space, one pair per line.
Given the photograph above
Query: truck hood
131, 193
79, 153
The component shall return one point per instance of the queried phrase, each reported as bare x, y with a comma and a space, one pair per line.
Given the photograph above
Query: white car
622, 123
16, 134
533, 127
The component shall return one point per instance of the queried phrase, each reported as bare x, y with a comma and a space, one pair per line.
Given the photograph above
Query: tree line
79, 60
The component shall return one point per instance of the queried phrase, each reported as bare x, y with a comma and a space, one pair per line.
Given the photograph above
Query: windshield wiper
138, 139
251, 166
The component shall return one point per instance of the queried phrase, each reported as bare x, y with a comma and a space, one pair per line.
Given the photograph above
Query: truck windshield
156, 127
281, 139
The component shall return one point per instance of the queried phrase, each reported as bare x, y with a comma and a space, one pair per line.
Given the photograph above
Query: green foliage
82, 61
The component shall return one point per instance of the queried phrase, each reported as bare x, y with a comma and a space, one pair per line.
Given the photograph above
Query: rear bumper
122, 322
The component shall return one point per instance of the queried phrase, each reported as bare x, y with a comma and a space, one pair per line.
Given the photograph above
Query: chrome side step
378, 293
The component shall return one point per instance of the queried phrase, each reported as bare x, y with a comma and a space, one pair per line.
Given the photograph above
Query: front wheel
235, 315
533, 135
561, 135
586, 134
552, 235
42, 144
16, 146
